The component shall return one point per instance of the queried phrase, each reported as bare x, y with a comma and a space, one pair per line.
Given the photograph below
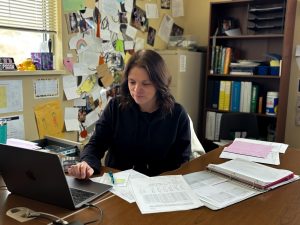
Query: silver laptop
40, 176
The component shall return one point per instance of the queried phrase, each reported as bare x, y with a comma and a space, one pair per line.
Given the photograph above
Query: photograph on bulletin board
139, 19
176, 31
165, 4
72, 22
151, 36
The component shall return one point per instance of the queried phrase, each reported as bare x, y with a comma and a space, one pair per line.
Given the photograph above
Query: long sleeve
147, 142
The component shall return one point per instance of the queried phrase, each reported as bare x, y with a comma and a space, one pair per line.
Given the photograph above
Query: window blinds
31, 15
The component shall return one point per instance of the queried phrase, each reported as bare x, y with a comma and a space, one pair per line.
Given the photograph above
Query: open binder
254, 174
225, 184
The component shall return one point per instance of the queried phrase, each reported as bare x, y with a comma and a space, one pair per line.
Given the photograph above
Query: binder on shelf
227, 95
222, 95
235, 96
210, 125
254, 99
215, 95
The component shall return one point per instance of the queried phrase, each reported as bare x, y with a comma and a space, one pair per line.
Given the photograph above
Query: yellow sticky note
127, 57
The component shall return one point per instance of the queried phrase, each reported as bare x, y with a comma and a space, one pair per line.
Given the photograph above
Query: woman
144, 128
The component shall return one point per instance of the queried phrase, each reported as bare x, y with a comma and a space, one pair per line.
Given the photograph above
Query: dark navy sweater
147, 142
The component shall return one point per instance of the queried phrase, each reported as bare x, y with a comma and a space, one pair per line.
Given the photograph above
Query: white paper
71, 119
297, 53
276, 147
110, 7
125, 192
217, 192
151, 11
182, 63
11, 96
22, 144
113, 26
128, 45
79, 102
70, 87
298, 62
91, 118
272, 158
177, 8
105, 35
165, 28
107, 47
90, 58
131, 31
15, 126
82, 69
129, 5
46, 88
139, 44
96, 92
164, 194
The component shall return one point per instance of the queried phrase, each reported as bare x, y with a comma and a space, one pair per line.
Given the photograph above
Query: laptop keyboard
79, 195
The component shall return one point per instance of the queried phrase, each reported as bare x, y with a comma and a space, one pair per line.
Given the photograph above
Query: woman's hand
81, 170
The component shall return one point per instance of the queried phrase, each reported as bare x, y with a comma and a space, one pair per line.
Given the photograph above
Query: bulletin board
29, 101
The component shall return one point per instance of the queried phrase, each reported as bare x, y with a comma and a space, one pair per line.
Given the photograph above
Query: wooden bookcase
261, 32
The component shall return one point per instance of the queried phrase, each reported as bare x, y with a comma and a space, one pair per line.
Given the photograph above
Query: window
25, 27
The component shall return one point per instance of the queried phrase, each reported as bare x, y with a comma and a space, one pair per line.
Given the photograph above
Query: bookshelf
252, 30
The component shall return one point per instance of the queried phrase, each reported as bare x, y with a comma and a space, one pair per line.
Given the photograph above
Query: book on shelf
217, 126
215, 95
220, 59
246, 73
254, 98
227, 94
228, 55
235, 96
222, 95
210, 125
236, 179
245, 96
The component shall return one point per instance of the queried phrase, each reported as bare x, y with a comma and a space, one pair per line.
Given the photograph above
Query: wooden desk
279, 206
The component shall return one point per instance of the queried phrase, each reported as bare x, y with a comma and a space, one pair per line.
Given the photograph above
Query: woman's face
142, 89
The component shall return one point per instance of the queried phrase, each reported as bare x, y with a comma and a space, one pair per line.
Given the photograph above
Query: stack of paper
254, 150
22, 144
154, 194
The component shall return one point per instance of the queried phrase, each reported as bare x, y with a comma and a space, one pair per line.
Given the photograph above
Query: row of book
212, 128
235, 96
220, 59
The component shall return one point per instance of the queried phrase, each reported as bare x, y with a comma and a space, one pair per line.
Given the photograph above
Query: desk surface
279, 206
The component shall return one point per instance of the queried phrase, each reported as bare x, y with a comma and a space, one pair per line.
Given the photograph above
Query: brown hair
156, 68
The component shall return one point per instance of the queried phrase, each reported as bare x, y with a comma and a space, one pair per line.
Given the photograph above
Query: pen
111, 177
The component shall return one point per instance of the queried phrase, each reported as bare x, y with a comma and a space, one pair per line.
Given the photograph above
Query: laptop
40, 176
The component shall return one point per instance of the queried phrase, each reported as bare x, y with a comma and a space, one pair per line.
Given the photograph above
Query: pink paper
251, 149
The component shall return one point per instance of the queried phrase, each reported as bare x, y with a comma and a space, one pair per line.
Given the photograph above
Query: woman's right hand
81, 170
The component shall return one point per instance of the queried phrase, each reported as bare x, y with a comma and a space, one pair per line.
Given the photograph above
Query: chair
196, 146
234, 125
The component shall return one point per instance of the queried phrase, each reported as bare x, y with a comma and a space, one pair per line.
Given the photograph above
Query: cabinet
252, 30
187, 70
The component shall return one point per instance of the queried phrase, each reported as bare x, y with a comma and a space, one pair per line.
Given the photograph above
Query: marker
111, 177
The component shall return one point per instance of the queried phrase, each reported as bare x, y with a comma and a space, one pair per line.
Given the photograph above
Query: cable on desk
100, 217
54, 219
